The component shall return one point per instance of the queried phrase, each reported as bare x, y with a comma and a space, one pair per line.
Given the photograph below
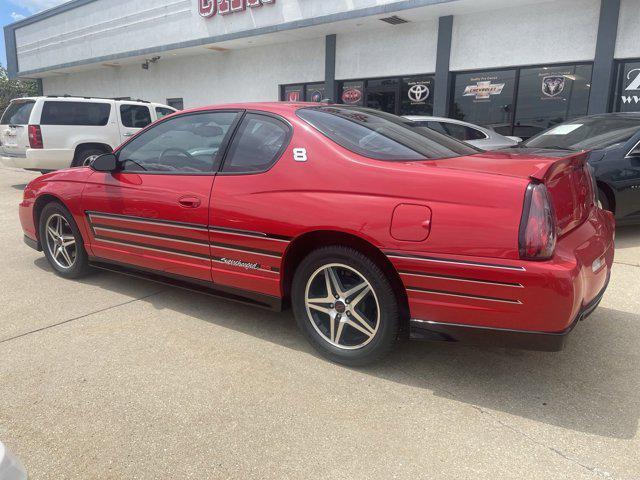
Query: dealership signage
418, 92
209, 8
633, 76
482, 90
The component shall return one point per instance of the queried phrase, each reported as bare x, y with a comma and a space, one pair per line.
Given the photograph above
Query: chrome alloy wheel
342, 306
60, 241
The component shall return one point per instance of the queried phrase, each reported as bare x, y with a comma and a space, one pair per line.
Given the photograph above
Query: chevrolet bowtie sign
208, 8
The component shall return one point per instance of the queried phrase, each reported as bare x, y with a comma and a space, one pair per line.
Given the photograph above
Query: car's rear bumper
39, 159
499, 337
459, 296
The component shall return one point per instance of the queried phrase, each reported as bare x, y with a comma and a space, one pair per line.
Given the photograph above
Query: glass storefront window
293, 93
416, 95
485, 98
382, 94
627, 96
314, 92
551, 95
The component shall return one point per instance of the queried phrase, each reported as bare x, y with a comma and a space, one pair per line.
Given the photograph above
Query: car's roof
274, 107
64, 98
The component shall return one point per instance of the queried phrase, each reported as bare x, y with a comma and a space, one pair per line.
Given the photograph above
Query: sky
14, 10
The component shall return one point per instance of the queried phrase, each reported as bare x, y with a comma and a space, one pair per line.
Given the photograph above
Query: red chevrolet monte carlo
370, 227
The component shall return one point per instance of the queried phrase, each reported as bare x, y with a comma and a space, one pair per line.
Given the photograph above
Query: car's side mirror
106, 162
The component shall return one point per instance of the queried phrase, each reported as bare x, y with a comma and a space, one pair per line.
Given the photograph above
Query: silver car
478, 136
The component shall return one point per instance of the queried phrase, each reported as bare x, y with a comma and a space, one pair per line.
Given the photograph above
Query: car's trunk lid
565, 174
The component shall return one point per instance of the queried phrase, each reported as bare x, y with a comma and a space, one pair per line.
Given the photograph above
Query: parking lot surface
112, 377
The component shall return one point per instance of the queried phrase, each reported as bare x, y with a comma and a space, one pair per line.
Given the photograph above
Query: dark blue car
613, 142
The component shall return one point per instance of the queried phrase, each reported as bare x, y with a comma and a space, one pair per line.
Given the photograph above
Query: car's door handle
189, 202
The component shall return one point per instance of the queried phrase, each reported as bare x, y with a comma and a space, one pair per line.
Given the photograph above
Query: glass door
382, 94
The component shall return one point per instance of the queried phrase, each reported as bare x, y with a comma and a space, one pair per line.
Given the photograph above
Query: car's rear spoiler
549, 170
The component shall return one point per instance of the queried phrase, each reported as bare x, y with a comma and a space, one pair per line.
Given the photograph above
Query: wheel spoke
57, 252
359, 328
355, 289
360, 296
52, 233
335, 282
66, 256
336, 339
59, 226
362, 322
318, 307
68, 240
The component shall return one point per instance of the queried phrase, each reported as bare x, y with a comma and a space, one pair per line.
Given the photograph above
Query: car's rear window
382, 136
17, 113
75, 113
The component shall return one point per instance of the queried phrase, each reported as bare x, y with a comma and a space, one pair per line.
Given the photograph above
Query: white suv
51, 133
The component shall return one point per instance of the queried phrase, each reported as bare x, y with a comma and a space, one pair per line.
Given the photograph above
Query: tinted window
588, 133
381, 94
548, 96
485, 98
184, 144
135, 116
163, 112
257, 144
177, 103
381, 135
17, 113
462, 132
75, 113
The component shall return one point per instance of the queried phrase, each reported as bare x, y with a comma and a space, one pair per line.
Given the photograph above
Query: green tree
10, 89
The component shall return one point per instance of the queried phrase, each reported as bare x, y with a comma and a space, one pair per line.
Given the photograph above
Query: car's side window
135, 116
462, 132
437, 126
163, 112
184, 144
257, 145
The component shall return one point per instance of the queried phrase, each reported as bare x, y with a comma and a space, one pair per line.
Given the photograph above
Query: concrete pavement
111, 377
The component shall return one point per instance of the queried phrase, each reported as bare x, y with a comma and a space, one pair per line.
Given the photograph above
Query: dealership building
517, 65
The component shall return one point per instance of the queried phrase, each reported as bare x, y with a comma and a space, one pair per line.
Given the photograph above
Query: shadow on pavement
592, 386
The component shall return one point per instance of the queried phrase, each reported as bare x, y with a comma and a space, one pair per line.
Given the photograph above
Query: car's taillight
538, 229
35, 136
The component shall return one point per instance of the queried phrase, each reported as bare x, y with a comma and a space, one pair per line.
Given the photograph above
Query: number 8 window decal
300, 154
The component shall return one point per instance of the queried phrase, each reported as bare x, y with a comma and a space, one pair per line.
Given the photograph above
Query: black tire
80, 265
83, 155
380, 343
604, 200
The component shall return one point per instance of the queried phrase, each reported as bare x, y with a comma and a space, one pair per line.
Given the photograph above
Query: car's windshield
588, 133
382, 136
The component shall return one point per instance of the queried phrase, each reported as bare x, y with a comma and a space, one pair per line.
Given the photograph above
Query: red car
370, 227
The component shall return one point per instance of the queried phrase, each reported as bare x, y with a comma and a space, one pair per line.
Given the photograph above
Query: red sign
353, 95
208, 8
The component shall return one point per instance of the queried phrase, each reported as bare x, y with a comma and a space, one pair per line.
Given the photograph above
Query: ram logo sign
208, 8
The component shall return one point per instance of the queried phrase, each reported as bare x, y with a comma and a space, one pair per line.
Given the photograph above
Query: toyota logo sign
418, 93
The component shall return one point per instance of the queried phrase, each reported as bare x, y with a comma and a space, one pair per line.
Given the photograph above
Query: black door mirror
106, 162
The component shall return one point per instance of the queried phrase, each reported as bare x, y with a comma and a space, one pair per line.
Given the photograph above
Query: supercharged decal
240, 263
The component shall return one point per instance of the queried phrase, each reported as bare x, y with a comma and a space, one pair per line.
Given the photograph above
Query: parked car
50, 133
613, 144
478, 136
369, 228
